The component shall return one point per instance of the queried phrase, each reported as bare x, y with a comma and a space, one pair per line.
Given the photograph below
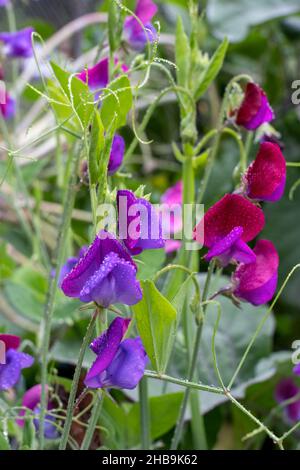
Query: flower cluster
236, 219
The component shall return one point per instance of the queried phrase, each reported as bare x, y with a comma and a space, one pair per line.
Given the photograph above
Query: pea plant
131, 315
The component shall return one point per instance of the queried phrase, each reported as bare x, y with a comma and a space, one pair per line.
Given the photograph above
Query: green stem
93, 422
192, 365
144, 414
70, 409
53, 280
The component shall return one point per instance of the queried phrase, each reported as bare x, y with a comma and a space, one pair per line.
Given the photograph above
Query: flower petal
11, 341
11, 371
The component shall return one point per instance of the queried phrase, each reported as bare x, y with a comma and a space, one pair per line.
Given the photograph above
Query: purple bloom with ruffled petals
17, 44
139, 223
286, 390
8, 107
119, 364
255, 109
106, 274
15, 361
134, 33
256, 282
31, 401
116, 154
97, 77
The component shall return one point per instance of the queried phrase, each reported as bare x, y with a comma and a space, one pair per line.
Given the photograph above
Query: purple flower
3, 3
266, 176
255, 109
139, 224
8, 108
106, 274
170, 200
256, 282
116, 154
227, 226
98, 76
70, 263
31, 400
15, 361
134, 34
119, 364
296, 369
17, 44
286, 390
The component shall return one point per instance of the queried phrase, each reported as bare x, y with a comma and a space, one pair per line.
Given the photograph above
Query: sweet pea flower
133, 32
171, 199
139, 224
31, 401
70, 263
116, 154
18, 43
266, 176
227, 226
256, 282
98, 76
8, 108
105, 274
3, 3
296, 369
119, 364
255, 109
286, 390
15, 361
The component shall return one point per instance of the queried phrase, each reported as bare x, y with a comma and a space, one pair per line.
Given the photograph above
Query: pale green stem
93, 421
70, 409
144, 414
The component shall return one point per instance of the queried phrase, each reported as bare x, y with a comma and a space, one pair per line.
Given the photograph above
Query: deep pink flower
171, 199
227, 226
139, 224
255, 109
285, 390
15, 361
256, 282
106, 274
31, 401
116, 154
266, 176
18, 43
97, 77
119, 364
8, 108
133, 31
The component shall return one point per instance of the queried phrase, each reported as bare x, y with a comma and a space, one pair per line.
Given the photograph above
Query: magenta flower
139, 224
227, 226
31, 401
286, 390
15, 361
171, 199
256, 282
255, 109
266, 176
17, 44
296, 369
119, 364
134, 33
97, 77
8, 108
116, 154
106, 274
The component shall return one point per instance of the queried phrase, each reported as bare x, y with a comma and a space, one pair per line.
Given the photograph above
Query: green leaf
96, 147
115, 25
213, 68
4, 445
149, 262
116, 105
77, 94
7, 264
233, 18
182, 54
179, 299
156, 323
